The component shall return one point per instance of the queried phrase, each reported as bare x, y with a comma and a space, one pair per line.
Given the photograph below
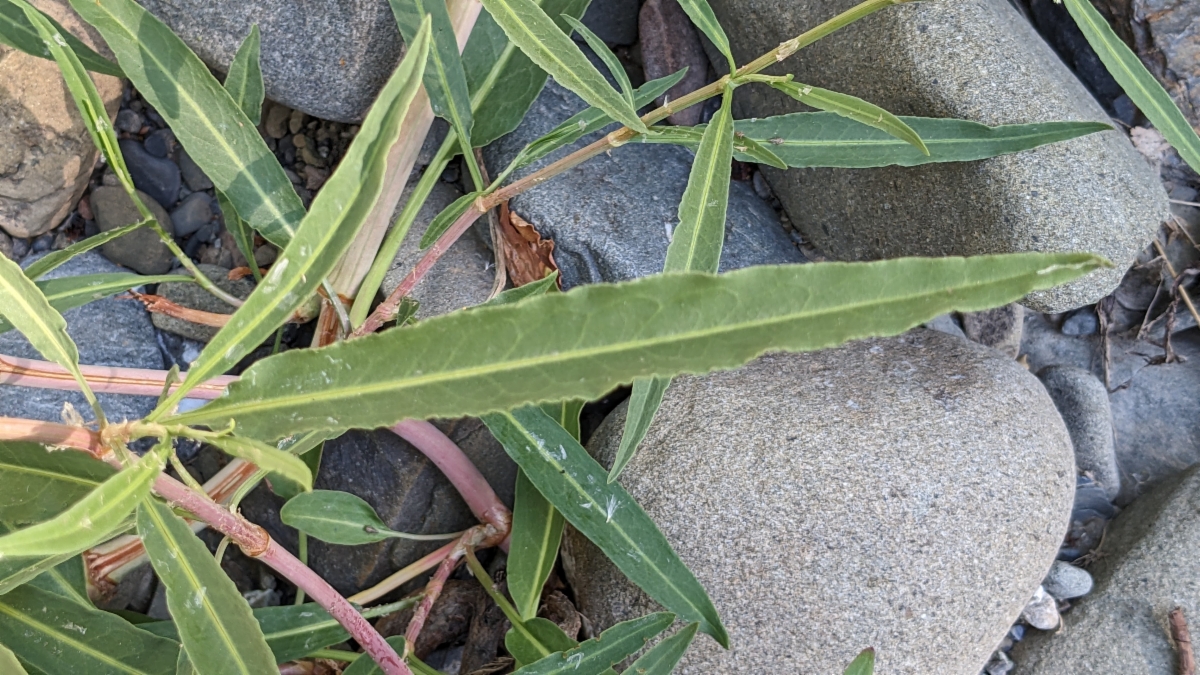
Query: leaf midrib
47, 473
706, 189
63, 637
897, 142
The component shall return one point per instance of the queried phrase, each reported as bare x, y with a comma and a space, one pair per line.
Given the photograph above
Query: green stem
184, 475
514, 617
418, 666
472, 164
335, 655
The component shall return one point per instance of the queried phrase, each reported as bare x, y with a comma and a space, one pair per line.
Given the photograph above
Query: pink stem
401, 577
49, 433
102, 379
432, 590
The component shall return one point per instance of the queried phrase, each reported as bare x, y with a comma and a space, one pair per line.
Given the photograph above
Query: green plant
525, 362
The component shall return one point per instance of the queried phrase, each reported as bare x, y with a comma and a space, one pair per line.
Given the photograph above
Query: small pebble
292, 176
296, 122
128, 121
760, 186
110, 179
1042, 611
61, 240
450, 175
999, 664
84, 207
194, 213
314, 178
160, 143
1017, 632
42, 243
20, 248
310, 158
1066, 581
300, 141
276, 121
6, 245
265, 255
1082, 322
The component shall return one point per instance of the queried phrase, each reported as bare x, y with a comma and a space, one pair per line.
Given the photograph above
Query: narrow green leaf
572, 481
828, 139
17, 31
597, 655
547, 46
863, 664
695, 247
610, 59
536, 534
309, 447
337, 214
445, 81
442, 221
582, 343
15, 572
36, 484
70, 292
644, 400
514, 295
205, 118
585, 122
853, 108
757, 152
266, 458
240, 231
662, 658
68, 579
534, 639
245, 80
341, 518
9, 662
1147, 94
183, 666
502, 80
56, 258
215, 623
365, 665
24, 307
56, 635
293, 631
92, 519
703, 18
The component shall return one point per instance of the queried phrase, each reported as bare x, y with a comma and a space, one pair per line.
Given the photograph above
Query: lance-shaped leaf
853, 108
1145, 92
597, 655
16, 30
215, 623
603, 512
582, 343
546, 45
54, 259
703, 18
36, 484
245, 81
610, 59
56, 635
207, 121
502, 80
536, 534
828, 139
443, 220
24, 307
756, 152
293, 631
266, 458
695, 247
863, 664
662, 658
534, 639
9, 662
342, 518
243, 237
514, 295
445, 81
338, 212
92, 519
588, 120
71, 292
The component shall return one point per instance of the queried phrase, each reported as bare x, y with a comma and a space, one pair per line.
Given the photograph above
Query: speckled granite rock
972, 59
907, 494
1149, 567
328, 59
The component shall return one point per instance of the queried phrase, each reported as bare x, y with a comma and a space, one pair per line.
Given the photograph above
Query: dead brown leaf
528, 256
157, 304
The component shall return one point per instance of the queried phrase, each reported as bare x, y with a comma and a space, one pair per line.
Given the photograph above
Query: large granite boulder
972, 59
907, 494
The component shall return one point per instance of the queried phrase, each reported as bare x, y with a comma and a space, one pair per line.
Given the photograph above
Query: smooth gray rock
1042, 611
1082, 401
972, 59
193, 175
464, 275
1149, 567
611, 217
999, 328
329, 59
406, 489
614, 21
1066, 581
141, 250
193, 213
156, 176
108, 332
907, 494
191, 295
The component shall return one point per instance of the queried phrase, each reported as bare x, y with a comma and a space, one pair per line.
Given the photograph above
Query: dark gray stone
1082, 401
192, 174
1081, 322
193, 213
998, 328
329, 60
128, 121
406, 489
161, 143
614, 21
612, 216
1149, 567
141, 250
6, 246
191, 295
108, 332
972, 59
155, 176
927, 481
464, 275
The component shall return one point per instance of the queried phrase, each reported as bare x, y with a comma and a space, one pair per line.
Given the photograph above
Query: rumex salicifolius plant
526, 362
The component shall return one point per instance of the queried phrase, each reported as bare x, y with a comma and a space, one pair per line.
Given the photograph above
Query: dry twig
1183, 642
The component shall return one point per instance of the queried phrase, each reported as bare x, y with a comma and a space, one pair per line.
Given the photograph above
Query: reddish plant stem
432, 591
404, 576
102, 379
49, 433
